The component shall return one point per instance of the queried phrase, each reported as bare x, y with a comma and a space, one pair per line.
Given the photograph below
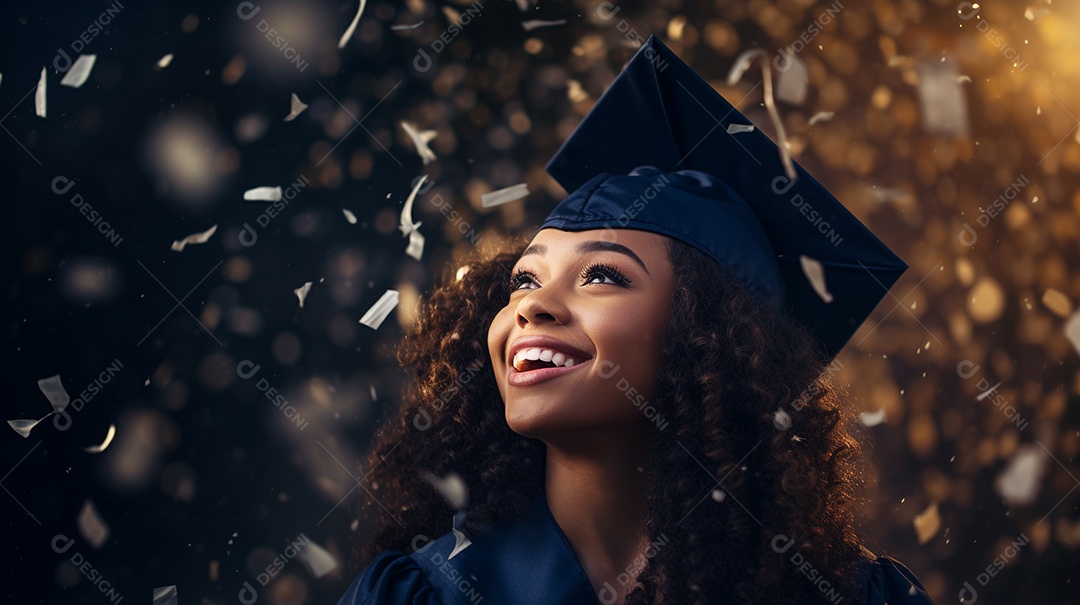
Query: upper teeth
555, 357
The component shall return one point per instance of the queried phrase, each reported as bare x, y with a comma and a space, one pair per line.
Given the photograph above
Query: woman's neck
595, 488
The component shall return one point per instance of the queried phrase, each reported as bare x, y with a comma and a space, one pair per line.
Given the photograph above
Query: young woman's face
603, 302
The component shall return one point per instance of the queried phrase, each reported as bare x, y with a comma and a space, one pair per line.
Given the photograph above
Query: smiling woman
556, 486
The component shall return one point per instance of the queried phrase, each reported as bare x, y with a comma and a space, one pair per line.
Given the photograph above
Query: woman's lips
531, 377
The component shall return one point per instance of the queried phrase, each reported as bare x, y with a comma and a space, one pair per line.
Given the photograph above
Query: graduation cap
657, 153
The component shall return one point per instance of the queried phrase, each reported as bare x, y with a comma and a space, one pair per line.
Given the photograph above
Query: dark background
206, 481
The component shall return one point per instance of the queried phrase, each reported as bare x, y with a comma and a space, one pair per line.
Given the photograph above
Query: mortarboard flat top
654, 153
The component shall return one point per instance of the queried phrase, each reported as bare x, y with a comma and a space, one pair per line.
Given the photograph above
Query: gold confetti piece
349, 216
302, 292
821, 116
194, 238
164, 61
1057, 302
374, 316
97, 449
91, 526
352, 26
410, 26
502, 196
742, 63
79, 72
1019, 483
1072, 330
815, 274
421, 139
296, 106
263, 194
927, 523
39, 95
415, 247
317, 559
737, 128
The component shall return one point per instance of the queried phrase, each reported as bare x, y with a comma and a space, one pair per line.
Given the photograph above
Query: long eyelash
518, 275
598, 268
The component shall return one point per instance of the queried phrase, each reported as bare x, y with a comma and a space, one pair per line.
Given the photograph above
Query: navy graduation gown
530, 562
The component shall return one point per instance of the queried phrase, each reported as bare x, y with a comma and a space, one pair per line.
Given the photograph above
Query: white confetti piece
23, 426
302, 291
737, 128
317, 559
1072, 330
296, 106
792, 82
502, 196
374, 316
194, 238
927, 523
79, 72
54, 392
39, 96
405, 222
815, 273
535, 23
421, 139
91, 526
452, 487
821, 116
349, 216
263, 194
415, 248
410, 26
719, 495
164, 61
872, 418
1019, 483
165, 595
352, 26
963, 78
461, 542
742, 63
97, 449
941, 98
781, 420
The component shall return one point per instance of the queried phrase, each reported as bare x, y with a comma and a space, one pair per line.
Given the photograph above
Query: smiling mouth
527, 360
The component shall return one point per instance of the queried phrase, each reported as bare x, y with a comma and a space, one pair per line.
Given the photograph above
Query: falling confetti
296, 106
461, 542
39, 96
263, 194
54, 391
1072, 330
792, 82
742, 63
165, 595
317, 559
302, 292
737, 128
941, 98
410, 26
349, 216
821, 116
719, 495
1019, 483
352, 26
97, 449
406, 225
535, 23
415, 248
872, 418
452, 487
164, 61
374, 316
927, 523
194, 238
502, 196
79, 72
421, 139
815, 273
24, 426
91, 526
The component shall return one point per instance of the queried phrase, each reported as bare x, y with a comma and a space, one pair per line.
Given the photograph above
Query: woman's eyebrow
591, 246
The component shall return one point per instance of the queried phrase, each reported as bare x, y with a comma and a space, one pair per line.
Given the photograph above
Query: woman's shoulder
884, 579
392, 578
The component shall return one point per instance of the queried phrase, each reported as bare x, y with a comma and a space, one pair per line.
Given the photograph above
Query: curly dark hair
744, 391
